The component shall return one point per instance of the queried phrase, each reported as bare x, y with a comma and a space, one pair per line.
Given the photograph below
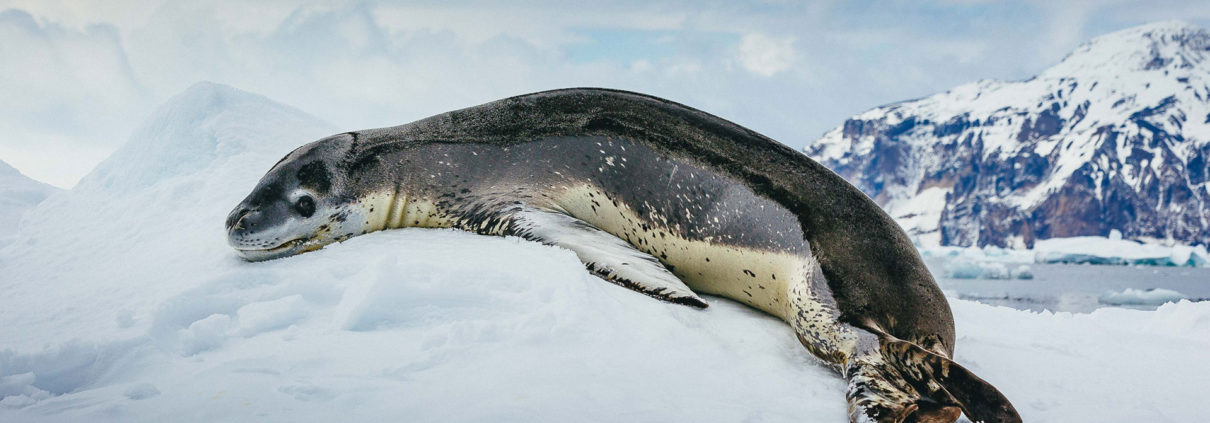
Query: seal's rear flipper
606, 255
942, 381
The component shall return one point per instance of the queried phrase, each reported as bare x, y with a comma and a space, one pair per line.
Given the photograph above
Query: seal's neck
395, 209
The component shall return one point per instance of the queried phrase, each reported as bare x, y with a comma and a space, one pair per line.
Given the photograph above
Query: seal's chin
286, 249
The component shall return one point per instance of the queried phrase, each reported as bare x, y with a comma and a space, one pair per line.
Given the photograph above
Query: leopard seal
660, 198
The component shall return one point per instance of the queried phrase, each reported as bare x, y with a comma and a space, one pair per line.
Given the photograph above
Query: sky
77, 77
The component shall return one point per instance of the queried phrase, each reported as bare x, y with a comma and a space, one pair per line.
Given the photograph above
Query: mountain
18, 194
1115, 136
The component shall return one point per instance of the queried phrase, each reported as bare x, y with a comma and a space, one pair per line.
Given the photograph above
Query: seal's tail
903, 383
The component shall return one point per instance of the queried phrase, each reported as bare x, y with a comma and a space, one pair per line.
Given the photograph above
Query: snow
919, 214
123, 303
1099, 366
18, 194
1134, 49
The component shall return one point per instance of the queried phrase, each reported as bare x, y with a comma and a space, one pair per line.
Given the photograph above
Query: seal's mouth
284, 249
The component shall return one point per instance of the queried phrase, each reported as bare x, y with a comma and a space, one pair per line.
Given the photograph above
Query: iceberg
1116, 251
1131, 296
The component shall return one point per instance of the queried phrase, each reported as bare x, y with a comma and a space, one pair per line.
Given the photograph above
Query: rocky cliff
1116, 136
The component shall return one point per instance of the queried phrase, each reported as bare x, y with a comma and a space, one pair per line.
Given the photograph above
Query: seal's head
300, 205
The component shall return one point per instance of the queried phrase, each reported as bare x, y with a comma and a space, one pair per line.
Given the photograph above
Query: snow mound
18, 194
1131, 296
1114, 250
205, 125
149, 212
122, 302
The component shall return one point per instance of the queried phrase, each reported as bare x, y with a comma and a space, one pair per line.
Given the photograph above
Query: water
1075, 288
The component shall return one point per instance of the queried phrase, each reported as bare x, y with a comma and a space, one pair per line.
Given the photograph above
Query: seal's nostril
236, 221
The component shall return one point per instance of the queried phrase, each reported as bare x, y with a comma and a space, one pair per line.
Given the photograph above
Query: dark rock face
1114, 137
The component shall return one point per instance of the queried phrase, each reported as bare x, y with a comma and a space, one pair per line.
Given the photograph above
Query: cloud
1065, 27
766, 56
59, 86
76, 77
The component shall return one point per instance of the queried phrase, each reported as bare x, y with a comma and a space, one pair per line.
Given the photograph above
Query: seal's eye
305, 206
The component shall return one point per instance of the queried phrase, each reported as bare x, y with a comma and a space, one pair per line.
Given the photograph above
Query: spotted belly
757, 278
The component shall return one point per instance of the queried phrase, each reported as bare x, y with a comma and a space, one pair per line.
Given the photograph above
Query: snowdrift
18, 194
123, 303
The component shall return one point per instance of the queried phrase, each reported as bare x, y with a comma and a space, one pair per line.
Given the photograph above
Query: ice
996, 271
1195, 256
976, 254
1107, 250
991, 263
1131, 296
122, 302
973, 262
964, 269
1023, 272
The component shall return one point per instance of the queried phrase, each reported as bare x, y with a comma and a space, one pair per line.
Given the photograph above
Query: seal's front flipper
896, 381
606, 255
940, 378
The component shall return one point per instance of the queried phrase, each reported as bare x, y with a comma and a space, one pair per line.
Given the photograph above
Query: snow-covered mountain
1115, 136
18, 194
